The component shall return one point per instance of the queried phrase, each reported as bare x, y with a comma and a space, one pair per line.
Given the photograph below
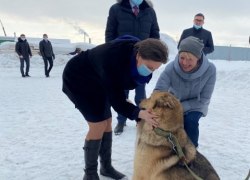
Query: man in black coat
198, 31
47, 53
23, 50
136, 18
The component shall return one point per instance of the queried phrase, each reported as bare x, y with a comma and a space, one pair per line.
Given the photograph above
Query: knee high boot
105, 158
91, 151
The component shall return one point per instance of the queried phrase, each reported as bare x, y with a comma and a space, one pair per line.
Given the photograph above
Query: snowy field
42, 134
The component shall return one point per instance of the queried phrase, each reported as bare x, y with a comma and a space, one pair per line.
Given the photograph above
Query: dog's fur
154, 156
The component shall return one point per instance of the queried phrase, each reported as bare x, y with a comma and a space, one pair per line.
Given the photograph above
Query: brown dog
154, 155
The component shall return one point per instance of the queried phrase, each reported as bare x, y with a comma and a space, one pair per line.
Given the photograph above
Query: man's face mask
197, 26
23, 38
137, 2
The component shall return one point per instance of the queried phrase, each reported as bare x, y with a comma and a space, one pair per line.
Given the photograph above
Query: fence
230, 53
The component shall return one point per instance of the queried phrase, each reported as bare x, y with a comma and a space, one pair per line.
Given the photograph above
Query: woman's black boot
105, 158
91, 151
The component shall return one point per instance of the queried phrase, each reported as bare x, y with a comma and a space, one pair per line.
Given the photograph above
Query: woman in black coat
96, 79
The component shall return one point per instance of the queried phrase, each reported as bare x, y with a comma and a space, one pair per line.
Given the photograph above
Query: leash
176, 147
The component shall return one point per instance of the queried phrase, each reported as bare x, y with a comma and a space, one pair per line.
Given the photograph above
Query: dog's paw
107, 178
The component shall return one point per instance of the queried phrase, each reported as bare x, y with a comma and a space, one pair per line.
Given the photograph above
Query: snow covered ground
42, 134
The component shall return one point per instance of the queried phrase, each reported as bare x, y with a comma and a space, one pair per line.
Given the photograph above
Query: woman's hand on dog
150, 117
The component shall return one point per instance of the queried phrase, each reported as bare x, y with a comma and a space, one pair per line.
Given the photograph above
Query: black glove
53, 56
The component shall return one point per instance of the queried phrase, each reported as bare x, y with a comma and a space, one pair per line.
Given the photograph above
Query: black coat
46, 49
103, 72
202, 34
122, 21
22, 48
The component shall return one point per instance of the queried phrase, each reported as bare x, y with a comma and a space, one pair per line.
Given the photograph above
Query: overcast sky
229, 21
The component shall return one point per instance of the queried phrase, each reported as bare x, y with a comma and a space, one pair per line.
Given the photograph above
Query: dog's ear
146, 103
143, 104
165, 102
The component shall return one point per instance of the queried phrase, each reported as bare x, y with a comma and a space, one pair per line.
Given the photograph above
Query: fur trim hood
20, 40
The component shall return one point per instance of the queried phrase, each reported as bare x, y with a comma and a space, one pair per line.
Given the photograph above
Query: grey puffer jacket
194, 90
122, 21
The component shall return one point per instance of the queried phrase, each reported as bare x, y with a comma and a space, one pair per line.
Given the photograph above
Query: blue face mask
143, 70
197, 27
137, 2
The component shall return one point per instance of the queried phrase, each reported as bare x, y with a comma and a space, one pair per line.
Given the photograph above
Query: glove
53, 56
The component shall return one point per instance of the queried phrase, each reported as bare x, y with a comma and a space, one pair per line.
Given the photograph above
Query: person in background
191, 78
198, 31
23, 50
136, 18
95, 81
76, 52
46, 51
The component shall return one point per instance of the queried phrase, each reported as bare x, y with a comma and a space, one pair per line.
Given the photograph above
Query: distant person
24, 53
191, 78
95, 81
136, 18
198, 31
46, 51
76, 52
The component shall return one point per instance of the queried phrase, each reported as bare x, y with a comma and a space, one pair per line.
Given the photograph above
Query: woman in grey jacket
191, 78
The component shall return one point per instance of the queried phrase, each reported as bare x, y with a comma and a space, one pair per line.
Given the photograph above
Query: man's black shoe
119, 128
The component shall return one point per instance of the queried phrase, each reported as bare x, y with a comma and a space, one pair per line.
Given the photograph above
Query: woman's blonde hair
188, 55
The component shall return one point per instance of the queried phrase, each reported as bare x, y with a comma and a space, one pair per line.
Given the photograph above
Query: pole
3, 28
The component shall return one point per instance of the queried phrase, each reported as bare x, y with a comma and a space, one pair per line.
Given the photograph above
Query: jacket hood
20, 40
189, 76
148, 2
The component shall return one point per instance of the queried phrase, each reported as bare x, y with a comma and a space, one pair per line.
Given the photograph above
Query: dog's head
170, 113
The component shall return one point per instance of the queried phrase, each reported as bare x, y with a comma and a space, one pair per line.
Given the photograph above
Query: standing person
198, 31
191, 78
47, 53
23, 50
136, 18
96, 79
76, 51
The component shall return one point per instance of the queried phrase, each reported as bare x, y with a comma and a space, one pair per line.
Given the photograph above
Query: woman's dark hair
153, 49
